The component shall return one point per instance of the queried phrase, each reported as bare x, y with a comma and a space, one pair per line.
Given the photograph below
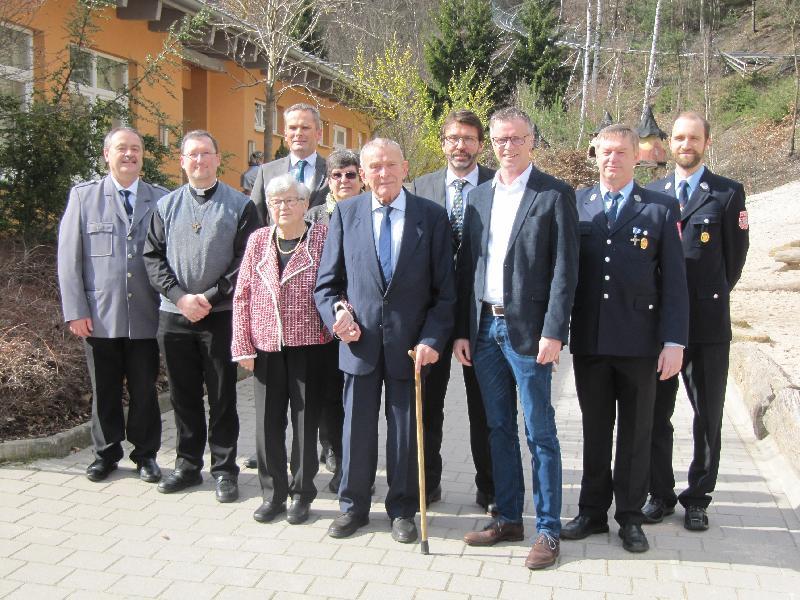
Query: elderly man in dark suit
303, 132
462, 142
385, 286
108, 301
629, 321
715, 237
517, 270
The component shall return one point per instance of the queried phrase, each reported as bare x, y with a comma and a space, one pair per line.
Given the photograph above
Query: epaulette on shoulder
84, 184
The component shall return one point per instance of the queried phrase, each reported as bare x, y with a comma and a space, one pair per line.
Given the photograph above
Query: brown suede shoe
495, 532
543, 553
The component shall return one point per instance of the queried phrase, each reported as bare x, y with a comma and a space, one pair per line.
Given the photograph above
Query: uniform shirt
472, 182
132, 188
308, 169
693, 180
398, 219
625, 191
505, 204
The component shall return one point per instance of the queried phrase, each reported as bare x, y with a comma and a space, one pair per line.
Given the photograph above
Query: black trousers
112, 361
362, 402
331, 417
705, 376
196, 354
606, 384
290, 379
435, 388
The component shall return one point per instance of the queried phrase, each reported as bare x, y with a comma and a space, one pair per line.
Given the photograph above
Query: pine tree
537, 61
467, 37
314, 43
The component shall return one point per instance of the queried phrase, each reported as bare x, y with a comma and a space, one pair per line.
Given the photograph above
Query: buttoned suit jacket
279, 167
101, 272
631, 295
540, 268
713, 266
418, 305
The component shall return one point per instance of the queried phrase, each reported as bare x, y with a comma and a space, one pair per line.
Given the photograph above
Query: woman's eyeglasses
344, 175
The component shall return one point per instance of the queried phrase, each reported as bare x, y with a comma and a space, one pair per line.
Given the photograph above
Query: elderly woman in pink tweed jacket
278, 334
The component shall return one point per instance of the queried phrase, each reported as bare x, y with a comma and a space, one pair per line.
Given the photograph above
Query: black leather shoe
148, 470
655, 510
346, 524
250, 462
633, 538
434, 495
581, 527
227, 488
100, 469
298, 511
335, 481
179, 480
404, 530
268, 511
696, 518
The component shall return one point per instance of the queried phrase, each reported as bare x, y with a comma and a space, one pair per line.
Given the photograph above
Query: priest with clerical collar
195, 245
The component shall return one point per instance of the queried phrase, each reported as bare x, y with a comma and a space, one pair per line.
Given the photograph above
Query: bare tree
705, 34
651, 70
597, 39
796, 83
585, 85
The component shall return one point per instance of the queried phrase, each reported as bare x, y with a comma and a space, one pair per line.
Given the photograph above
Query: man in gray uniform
193, 251
107, 301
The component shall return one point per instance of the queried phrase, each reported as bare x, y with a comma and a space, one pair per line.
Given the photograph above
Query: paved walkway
62, 536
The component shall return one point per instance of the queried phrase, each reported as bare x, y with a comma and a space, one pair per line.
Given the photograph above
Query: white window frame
16, 74
275, 118
163, 135
91, 91
251, 147
259, 114
337, 130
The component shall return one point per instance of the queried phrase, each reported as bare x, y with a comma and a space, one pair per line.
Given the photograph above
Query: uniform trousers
112, 361
625, 388
288, 379
435, 389
196, 354
362, 403
705, 375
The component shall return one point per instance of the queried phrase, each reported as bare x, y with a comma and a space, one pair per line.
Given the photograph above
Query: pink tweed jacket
269, 312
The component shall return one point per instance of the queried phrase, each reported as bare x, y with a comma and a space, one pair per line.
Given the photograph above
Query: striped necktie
457, 213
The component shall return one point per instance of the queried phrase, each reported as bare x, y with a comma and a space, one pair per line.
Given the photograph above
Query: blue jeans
500, 372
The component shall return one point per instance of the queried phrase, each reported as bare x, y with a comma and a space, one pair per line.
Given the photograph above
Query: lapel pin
704, 186
592, 197
668, 185
637, 197
643, 242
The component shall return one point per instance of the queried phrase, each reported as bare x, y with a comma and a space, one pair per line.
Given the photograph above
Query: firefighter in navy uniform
714, 231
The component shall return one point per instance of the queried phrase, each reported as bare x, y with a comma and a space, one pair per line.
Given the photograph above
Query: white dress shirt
398, 219
308, 170
472, 182
504, 211
132, 188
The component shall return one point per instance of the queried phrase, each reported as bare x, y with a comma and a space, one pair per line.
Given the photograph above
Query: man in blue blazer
630, 320
385, 286
517, 270
715, 237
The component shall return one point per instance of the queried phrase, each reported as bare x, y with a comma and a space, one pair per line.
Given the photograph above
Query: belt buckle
497, 310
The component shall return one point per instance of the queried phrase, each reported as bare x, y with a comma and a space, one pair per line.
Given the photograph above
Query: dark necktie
611, 213
299, 170
683, 193
385, 245
457, 213
126, 200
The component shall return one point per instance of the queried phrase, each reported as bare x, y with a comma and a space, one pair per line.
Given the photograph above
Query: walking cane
423, 505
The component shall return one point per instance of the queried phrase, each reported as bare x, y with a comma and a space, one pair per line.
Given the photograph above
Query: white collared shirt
308, 170
132, 188
505, 205
398, 219
472, 182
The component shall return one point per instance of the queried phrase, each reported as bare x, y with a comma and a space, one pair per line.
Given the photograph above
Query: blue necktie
299, 170
385, 245
611, 213
126, 200
683, 193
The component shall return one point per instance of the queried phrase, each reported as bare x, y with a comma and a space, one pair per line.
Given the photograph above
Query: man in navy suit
630, 320
517, 270
385, 286
715, 236
462, 142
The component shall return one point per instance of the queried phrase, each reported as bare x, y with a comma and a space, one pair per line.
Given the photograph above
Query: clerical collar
204, 194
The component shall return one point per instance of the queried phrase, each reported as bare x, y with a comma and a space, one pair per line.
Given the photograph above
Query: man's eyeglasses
344, 175
199, 155
516, 140
290, 202
468, 140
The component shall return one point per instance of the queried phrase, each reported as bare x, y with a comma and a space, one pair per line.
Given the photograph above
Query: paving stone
96, 581
181, 590
46, 574
383, 591
27, 591
135, 585
467, 584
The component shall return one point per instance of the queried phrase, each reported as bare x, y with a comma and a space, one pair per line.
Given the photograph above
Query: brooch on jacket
642, 241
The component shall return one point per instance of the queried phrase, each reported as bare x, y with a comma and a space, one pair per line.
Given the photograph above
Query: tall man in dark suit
385, 286
303, 132
715, 236
630, 321
517, 270
462, 143
108, 301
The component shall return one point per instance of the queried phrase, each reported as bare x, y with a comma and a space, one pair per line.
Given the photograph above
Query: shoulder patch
744, 224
